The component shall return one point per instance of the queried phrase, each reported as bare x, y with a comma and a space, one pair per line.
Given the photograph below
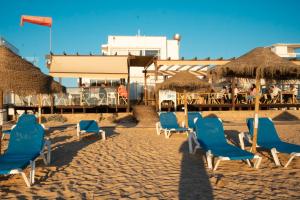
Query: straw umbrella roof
260, 63
56, 87
184, 81
21, 76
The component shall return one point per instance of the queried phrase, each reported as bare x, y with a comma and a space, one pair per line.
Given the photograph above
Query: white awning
88, 66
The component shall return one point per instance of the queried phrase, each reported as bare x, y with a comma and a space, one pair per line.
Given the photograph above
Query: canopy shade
260, 63
21, 76
88, 66
184, 81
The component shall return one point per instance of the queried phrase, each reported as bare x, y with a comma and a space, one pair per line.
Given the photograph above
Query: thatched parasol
184, 81
257, 64
21, 77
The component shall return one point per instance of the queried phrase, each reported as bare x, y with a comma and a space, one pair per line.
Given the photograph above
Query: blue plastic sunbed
168, 124
26, 144
23, 119
89, 126
268, 138
192, 116
210, 134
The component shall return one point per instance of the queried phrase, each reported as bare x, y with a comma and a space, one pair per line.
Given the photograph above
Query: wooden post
128, 87
233, 83
1, 122
185, 111
255, 130
145, 88
40, 108
52, 103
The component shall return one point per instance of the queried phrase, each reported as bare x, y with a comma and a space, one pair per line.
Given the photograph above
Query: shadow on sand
194, 180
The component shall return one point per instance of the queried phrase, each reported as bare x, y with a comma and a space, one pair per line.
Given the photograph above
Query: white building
139, 45
286, 50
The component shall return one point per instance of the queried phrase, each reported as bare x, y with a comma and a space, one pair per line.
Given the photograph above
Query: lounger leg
32, 172
217, 164
275, 157
167, 134
290, 160
48, 152
257, 162
190, 140
209, 159
241, 138
157, 125
25, 179
78, 131
44, 158
103, 135
248, 162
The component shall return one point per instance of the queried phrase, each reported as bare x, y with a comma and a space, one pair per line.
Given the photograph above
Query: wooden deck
224, 107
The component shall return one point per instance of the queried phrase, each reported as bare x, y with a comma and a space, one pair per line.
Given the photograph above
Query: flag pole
50, 39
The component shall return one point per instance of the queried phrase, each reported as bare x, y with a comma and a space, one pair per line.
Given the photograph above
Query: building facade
286, 50
137, 45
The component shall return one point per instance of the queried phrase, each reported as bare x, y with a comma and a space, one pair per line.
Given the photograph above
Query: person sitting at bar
294, 92
274, 93
123, 93
224, 93
252, 93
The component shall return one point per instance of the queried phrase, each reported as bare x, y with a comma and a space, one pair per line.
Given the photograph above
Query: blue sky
209, 28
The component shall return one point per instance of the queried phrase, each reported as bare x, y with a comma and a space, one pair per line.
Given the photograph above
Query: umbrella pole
40, 108
185, 110
257, 97
1, 122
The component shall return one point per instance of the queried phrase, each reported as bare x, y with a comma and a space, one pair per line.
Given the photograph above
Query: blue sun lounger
23, 119
192, 116
210, 134
89, 126
25, 146
268, 138
168, 124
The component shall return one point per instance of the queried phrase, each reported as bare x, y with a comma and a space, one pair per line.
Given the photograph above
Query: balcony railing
94, 96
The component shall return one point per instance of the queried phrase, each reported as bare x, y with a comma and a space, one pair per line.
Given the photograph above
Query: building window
151, 52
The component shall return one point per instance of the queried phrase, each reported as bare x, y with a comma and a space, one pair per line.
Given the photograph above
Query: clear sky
209, 28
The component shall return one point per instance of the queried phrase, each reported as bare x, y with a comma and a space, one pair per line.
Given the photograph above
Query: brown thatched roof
56, 87
184, 81
262, 63
21, 76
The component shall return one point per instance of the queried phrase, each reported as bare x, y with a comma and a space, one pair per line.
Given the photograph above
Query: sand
135, 163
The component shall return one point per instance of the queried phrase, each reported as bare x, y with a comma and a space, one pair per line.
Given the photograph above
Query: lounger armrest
183, 124
44, 127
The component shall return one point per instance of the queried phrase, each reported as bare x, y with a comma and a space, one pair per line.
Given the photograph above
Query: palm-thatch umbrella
20, 76
182, 82
259, 63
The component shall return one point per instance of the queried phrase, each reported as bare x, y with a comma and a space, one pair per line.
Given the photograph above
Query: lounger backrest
26, 139
266, 130
210, 132
27, 119
89, 125
191, 117
168, 120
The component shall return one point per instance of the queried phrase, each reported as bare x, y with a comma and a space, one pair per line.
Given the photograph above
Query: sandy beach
135, 163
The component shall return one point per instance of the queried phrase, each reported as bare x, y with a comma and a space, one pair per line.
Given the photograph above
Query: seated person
294, 92
122, 92
252, 93
274, 92
224, 93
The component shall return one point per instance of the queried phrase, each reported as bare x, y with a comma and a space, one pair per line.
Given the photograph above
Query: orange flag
43, 21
